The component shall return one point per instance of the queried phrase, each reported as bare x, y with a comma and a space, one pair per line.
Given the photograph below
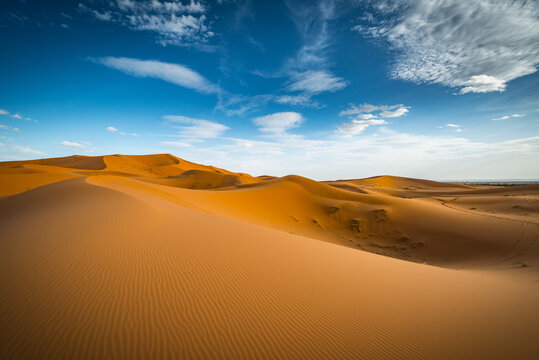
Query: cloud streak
505, 117
196, 128
8, 128
83, 145
173, 73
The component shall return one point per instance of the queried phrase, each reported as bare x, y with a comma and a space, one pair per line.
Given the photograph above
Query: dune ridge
156, 257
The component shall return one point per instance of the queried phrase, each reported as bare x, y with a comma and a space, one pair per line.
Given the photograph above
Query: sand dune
118, 257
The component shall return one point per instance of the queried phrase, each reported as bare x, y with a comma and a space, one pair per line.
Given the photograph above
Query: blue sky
325, 89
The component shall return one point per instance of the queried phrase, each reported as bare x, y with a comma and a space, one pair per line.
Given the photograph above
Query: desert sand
155, 257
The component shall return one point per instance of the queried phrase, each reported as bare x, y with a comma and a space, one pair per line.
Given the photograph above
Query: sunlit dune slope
110, 266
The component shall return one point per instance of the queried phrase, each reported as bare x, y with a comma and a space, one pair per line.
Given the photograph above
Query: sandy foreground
154, 257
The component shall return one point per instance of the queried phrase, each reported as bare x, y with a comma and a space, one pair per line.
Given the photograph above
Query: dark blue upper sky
441, 89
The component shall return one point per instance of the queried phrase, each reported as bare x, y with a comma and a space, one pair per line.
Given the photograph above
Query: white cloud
278, 123
316, 82
297, 100
104, 16
454, 127
398, 110
8, 128
174, 22
357, 126
74, 145
395, 113
483, 84
173, 73
196, 128
178, 7
178, 144
112, 129
16, 116
505, 117
126, 4
475, 45
233, 105
365, 115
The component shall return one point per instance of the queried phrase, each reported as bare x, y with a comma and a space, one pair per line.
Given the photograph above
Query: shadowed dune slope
157, 166
92, 272
203, 179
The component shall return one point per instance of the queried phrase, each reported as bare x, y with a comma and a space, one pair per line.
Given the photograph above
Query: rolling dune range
157, 257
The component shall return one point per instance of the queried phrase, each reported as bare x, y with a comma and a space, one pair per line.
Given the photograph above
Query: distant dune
155, 257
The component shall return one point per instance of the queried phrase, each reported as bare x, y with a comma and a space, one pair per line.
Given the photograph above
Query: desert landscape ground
154, 257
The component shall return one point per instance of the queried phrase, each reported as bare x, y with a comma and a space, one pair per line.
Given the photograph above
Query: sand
131, 257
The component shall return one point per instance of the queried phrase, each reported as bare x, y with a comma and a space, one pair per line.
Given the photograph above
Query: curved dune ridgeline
155, 257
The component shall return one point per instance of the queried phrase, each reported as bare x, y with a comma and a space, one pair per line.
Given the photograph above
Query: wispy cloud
173, 73
315, 82
278, 123
387, 110
505, 117
173, 22
196, 128
175, 144
298, 100
400, 111
454, 127
82, 145
356, 126
309, 69
476, 46
234, 105
113, 129
16, 115
8, 128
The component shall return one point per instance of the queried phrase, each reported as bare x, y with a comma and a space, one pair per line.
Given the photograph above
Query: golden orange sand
123, 257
